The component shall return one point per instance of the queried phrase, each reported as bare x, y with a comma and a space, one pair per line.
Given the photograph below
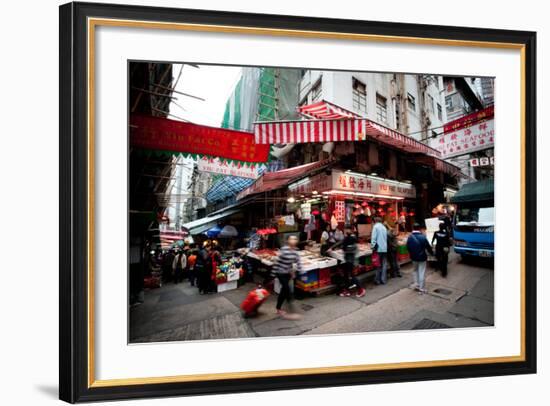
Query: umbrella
227, 232
213, 232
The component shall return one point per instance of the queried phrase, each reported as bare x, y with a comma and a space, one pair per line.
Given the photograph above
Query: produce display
230, 270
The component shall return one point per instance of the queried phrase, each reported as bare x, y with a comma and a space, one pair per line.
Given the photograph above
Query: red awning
440, 165
324, 110
275, 180
292, 132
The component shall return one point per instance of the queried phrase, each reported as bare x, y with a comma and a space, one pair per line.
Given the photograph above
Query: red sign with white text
469, 119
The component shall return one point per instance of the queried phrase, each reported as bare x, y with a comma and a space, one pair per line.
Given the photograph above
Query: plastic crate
306, 286
308, 277
324, 274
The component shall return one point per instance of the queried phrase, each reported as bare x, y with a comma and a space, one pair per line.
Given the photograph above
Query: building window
449, 105
411, 101
381, 109
397, 115
316, 91
439, 112
430, 103
359, 96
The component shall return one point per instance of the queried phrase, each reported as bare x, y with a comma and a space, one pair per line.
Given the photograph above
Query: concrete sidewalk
178, 312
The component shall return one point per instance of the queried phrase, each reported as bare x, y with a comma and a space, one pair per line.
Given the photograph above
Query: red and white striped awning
169, 237
355, 129
324, 110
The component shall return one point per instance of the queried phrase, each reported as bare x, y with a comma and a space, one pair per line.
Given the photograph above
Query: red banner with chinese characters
470, 119
168, 135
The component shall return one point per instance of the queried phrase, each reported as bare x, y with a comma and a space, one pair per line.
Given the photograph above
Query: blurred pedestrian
287, 260
379, 244
392, 251
418, 247
167, 261
442, 240
350, 282
178, 265
191, 261
202, 269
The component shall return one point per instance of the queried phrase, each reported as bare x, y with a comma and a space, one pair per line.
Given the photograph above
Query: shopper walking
418, 247
202, 270
379, 244
392, 252
284, 270
167, 261
178, 265
442, 240
349, 246
191, 261
214, 261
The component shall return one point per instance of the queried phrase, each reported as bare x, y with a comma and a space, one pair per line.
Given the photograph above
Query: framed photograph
257, 202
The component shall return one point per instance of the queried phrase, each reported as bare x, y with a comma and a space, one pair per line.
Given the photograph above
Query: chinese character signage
340, 211
465, 140
229, 168
320, 183
469, 119
168, 135
356, 183
483, 161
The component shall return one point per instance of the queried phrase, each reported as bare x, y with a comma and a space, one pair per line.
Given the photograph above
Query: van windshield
479, 215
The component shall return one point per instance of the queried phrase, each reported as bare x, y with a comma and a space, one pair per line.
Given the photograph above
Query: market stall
229, 273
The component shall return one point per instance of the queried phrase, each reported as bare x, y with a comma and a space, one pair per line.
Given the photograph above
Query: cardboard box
222, 287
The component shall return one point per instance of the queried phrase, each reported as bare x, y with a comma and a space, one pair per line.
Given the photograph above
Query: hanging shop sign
158, 133
469, 119
319, 183
465, 140
358, 183
340, 211
483, 161
229, 168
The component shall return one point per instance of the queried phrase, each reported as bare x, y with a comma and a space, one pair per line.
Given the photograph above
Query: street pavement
463, 299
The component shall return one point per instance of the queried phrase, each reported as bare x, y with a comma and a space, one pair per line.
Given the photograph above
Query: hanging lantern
364, 204
356, 205
411, 214
315, 212
382, 202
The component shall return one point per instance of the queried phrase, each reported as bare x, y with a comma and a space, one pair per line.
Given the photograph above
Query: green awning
482, 191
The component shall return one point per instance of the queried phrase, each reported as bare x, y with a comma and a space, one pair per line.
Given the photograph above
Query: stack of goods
311, 260
307, 281
229, 272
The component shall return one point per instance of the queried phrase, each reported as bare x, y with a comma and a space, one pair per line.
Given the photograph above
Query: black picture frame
74, 385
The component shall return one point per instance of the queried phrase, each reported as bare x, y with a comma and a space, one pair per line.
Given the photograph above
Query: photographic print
273, 201
250, 202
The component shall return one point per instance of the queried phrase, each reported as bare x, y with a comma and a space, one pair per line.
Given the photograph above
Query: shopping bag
375, 260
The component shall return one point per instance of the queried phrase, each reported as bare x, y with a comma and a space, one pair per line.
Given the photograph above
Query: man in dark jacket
442, 247
418, 245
